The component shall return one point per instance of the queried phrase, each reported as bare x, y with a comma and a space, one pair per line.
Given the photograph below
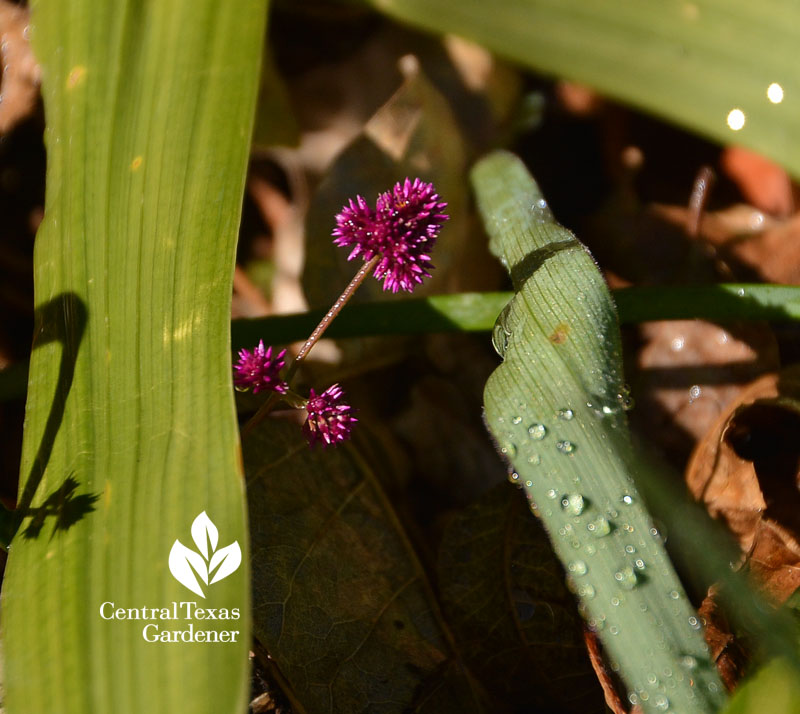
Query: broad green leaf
693, 61
341, 602
775, 688
130, 428
503, 593
555, 406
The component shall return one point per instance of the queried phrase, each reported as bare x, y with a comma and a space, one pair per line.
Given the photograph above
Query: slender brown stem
319, 330
336, 308
697, 201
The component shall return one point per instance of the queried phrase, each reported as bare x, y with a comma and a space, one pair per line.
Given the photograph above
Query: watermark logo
210, 564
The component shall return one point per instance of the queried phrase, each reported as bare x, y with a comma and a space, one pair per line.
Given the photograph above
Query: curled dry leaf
19, 89
745, 470
689, 371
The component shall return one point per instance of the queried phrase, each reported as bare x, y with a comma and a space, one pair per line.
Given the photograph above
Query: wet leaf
556, 409
341, 601
503, 591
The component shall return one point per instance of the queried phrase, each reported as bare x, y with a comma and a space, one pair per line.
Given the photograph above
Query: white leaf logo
186, 565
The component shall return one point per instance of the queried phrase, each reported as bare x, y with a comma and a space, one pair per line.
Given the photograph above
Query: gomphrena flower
330, 418
260, 370
402, 231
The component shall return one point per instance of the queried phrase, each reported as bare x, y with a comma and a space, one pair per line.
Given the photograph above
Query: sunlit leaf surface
130, 427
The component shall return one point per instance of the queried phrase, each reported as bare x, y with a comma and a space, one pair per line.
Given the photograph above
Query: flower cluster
397, 236
330, 418
259, 370
401, 229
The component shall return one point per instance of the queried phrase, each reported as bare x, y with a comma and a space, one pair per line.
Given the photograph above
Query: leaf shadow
62, 319
66, 508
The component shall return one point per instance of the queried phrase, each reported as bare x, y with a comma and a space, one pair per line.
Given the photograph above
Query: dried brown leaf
746, 472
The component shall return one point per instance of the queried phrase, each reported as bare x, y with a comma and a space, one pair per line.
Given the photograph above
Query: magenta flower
402, 230
330, 418
260, 369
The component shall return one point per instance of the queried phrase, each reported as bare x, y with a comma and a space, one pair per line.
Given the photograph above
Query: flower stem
336, 308
319, 330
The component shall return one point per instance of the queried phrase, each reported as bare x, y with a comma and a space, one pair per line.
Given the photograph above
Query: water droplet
652, 679
630, 549
614, 629
615, 601
566, 447
713, 687
516, 420
626, 578
627, 500
552, 493
597, 623
586, 591
661, 702
529, 483
599, 527
639, 564
565, 414
509, 449
736, 119
694, 623
501, 335
534, 459
740, 292
688, 662
624, 398
513, 476
674, 594
578, 567
573, 504
537, 432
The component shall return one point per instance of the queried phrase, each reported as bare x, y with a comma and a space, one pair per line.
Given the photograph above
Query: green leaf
503, 592
690, 62
775, 688
341, 602
130, 430
555, 406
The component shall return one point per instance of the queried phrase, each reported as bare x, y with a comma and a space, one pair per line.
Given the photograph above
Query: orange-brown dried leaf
762, 182
726, 652
689, 371
745, 470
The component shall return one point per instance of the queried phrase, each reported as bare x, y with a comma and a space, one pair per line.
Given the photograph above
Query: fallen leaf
745, 470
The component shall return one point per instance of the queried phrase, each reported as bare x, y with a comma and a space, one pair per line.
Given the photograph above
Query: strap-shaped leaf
556, 408
130, 425
724, 68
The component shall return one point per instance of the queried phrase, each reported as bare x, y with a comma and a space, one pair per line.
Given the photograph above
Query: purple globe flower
260, 370
330, 418
402, 230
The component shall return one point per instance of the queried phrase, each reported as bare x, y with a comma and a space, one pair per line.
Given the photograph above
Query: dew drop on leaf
537, 432
578, 567
573, 504
565, 414
626, 578
566, 447
599, 527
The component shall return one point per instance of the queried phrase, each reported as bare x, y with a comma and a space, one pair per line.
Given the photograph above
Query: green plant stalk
130, 425
556, 409
477, 312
